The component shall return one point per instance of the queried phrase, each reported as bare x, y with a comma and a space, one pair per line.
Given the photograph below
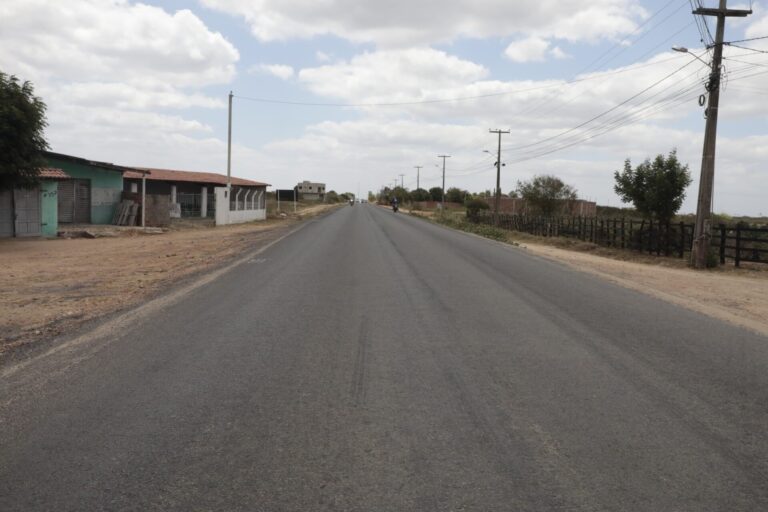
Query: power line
602, 114
747, 40
596, 76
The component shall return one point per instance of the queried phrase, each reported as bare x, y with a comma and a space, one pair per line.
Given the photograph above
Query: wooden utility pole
498, 172
418, 171
229, 149
401, 181
442, 203
702, 230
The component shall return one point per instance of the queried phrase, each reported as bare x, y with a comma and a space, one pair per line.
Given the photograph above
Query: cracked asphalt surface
373, 361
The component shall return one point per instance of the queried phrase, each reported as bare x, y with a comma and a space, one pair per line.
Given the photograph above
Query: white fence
245, 205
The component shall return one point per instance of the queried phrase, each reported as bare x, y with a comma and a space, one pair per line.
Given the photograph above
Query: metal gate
27, 212
74, 201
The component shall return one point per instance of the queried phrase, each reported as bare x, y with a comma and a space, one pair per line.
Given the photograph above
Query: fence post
622, 232
682, 240
650, 237
722, 244
738, 244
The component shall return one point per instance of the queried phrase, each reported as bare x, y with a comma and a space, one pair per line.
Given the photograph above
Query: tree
455, 195
655, 188
545, 194
474, 206
420, 195
436, 193
331, 197
22, 142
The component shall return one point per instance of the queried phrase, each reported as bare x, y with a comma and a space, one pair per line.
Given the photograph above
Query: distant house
310, 191
192, 194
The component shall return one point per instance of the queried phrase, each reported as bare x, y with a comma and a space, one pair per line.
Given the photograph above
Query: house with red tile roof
193, 194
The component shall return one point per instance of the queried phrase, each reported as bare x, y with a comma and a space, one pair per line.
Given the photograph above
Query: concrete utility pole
229, 149
401, 180
418, 171
702, 231
498, 172
442, 203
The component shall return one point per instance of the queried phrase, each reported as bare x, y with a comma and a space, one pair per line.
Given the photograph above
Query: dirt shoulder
50, 287
735, 295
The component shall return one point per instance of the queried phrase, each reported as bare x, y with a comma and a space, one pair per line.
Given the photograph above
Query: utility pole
498, 172
229, 150
442, 203
418, 171
703, 229
401, 181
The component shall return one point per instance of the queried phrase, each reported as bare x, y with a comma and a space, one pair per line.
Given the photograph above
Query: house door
6, 215
74, 201
27, 212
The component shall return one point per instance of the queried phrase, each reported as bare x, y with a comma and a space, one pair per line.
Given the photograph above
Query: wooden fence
739, 243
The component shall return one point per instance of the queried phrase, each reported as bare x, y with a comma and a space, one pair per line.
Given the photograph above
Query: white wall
255, 209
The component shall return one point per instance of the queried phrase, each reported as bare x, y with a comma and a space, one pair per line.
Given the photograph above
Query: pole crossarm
728, 13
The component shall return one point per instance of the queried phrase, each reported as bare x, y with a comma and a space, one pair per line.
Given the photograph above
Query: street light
683, 49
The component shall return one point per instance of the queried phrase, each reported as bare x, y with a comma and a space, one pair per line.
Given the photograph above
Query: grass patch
460, 222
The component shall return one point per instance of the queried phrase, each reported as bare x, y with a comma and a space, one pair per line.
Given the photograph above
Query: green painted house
92, 191
72, 190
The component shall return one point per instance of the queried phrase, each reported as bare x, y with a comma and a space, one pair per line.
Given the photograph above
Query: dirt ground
735, 295
50, 286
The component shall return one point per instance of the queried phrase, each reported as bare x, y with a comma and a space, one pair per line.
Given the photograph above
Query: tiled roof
189, 176
53, 173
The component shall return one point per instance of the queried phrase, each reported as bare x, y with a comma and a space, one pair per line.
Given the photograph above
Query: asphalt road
373, 361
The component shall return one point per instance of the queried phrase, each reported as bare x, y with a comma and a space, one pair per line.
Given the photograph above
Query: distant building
310, 191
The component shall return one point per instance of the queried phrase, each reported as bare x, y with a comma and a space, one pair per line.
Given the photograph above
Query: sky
355, 93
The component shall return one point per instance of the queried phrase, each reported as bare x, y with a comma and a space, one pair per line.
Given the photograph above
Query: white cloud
322, 56
530, 49
111, 40
558, 53
280, 71
408, 23
393, 75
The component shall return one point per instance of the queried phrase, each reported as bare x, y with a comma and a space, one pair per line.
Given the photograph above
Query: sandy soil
50, 286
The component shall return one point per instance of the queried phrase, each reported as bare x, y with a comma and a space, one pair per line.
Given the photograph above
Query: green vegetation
545, 194
22, 142
474, 206
463, 224
655, 188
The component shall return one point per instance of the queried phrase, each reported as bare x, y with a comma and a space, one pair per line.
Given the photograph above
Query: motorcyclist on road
394, 204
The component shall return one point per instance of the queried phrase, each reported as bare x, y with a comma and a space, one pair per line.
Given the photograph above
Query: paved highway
373, 361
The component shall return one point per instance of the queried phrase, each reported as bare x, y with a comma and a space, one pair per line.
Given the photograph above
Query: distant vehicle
351, 202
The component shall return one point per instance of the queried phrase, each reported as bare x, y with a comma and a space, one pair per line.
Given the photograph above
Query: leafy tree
22, 142
436, 193
420, 195
656, 188
545, 194
474, 206
331, 197
455, 195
